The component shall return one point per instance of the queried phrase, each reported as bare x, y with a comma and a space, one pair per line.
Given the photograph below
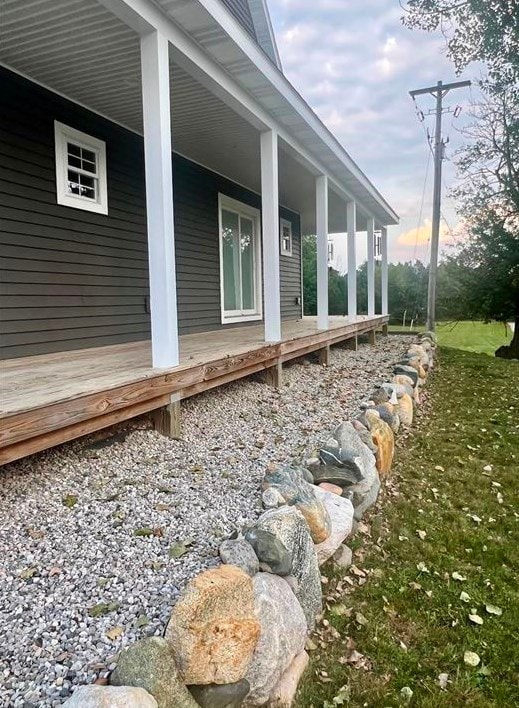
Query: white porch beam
351, 228
270, 228
371, 266
159, 199
321, 218
384, 279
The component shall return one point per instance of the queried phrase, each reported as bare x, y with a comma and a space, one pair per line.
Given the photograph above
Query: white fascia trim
145, 16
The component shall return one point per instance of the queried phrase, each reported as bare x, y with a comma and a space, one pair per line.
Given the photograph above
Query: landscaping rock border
236, 635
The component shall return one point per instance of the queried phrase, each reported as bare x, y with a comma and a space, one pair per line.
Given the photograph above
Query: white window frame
230, 317
62, 135
282, 224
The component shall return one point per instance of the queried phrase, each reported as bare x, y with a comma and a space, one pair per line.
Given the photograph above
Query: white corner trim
62, 135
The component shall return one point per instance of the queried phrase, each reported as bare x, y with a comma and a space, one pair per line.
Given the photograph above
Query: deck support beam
324, 355
270, 230
352, 343
351, 228
321, 215
371, 266
385, 330
384, 273
159, 199
274, 375
167, 420
372, 336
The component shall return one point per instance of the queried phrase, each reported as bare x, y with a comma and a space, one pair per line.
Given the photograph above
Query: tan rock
213, 629
407, 381
110, 697
384, 440
415, 363
404, 409
333, 488
284, 692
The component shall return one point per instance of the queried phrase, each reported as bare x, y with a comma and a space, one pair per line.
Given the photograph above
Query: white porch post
270, 228
371, 266
321, 217
351, 227
384, 279
159, 199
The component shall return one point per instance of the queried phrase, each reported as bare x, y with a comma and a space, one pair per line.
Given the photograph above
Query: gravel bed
69, 517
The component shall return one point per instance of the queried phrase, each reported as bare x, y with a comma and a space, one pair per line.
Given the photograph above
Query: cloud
355, 63
422, 235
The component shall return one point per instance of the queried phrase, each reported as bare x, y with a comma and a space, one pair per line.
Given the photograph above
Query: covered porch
51, 399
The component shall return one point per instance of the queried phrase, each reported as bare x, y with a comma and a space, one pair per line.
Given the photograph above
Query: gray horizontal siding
71, 279
241, 10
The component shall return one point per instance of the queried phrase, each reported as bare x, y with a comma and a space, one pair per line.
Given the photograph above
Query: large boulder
283, 635
273, 556
415, 363
296, 491
418, 351
289, 525
150, 664
398, 390
239, 552
388, 414
341, 514
404, 409
213, 630
363, 499
229, 695
111, 697
407, 370
384, 440
284, 692
346, 460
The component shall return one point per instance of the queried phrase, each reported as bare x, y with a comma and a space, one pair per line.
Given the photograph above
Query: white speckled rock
289, 525
282, 638
341, 513
111, 697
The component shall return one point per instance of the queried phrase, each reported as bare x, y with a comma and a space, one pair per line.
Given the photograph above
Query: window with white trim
285, 235
80, 170
240, 261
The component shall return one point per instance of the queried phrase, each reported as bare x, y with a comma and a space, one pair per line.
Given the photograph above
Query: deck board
52, 398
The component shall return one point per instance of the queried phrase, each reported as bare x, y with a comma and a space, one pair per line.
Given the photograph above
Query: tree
474, 30
337, 283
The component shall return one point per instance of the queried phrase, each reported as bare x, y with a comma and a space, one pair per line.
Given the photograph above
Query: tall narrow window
285, 234
239, 261
80, 170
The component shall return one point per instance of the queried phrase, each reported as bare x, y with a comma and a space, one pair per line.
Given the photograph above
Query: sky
354, 63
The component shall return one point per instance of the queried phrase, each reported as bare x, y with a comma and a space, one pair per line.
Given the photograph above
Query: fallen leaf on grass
443, 680
406, 693
421, 534
471, 658
464, 597
494, 610
458, 576
476, 619
69, 500
360, 619
180, 548
103, 608
422, 567
115, 632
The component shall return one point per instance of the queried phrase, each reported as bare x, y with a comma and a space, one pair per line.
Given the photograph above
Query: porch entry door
240, 264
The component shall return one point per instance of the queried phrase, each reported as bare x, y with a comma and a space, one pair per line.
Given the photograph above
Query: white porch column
270, 228
371, 266
159, 199
351, 227
321, 217
384, 283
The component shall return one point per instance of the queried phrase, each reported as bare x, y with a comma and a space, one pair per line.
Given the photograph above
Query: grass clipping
428, 615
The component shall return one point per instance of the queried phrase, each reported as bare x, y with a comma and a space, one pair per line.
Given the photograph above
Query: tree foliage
475, 30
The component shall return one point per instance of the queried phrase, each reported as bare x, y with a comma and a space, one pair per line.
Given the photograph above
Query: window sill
242, 318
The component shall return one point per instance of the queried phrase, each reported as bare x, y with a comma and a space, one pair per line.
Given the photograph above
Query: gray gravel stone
58, 562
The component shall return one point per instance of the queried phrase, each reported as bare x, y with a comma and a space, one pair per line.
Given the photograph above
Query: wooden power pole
439, 92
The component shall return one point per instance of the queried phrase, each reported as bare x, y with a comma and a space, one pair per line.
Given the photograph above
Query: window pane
230, 255
73, 149
73, 182
74, 161
247, 263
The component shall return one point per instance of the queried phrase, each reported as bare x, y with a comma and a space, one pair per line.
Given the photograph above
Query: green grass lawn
442, 546
473, 336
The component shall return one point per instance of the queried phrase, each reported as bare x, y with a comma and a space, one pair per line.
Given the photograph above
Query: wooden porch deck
49, 399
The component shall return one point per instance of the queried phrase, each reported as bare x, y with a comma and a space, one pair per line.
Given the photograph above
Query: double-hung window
285, 235
80, 170
240, 261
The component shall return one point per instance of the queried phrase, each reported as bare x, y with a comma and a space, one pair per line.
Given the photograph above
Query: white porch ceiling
81, 50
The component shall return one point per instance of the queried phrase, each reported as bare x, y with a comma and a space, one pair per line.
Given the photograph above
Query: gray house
157, 173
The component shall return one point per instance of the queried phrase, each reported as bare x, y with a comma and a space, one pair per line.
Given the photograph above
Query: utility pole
439, 92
